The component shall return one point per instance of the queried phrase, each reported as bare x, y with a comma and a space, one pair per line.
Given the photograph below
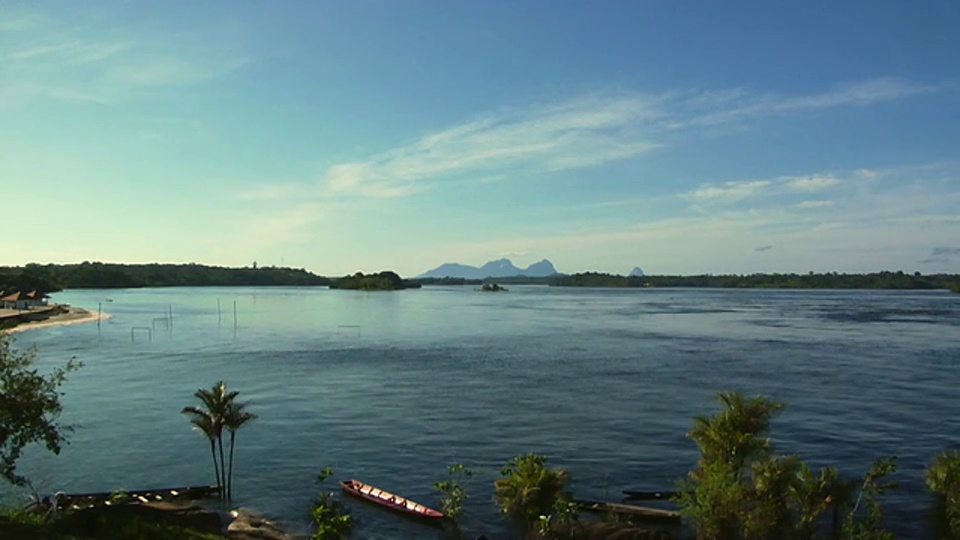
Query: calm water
605, 382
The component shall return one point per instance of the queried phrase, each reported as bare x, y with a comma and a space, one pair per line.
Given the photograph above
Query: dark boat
390, 500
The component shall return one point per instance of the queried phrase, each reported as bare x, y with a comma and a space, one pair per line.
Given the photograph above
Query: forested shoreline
877, 280
95, 275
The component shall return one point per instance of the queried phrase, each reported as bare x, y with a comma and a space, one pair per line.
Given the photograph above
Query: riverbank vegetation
742, 487
54, 277
381, 281
833, 280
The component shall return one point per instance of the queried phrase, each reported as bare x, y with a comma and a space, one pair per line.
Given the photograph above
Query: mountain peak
492, 269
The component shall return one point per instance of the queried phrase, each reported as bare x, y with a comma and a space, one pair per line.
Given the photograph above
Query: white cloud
816, 182
573, 134
64, 62
741, 106
814, 204
594, 130
727, 192
736, 191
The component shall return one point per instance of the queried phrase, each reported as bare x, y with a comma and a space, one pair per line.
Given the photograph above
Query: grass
121, 522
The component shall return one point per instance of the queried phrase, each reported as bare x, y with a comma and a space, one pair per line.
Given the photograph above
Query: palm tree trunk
223, 469
233, 435
213, 454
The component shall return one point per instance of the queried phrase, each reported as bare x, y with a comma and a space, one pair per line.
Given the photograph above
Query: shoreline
72, 315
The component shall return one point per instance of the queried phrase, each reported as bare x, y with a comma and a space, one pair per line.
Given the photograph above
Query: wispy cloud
568, 135
740, 190
741, 106
814, 204
73, 63
591, 131
75, 52
728, 191
942, 256
18, 22
817, 182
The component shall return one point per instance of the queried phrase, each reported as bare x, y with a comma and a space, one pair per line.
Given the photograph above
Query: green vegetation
879, 280
955, 287
219, 411
454, 492
96, 275
333, 522
943, 478
29, 407
382, 281
492, 287
123, 522
528, 492
741, 489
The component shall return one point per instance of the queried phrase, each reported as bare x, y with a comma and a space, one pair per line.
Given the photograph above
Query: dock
640, 512
87, 500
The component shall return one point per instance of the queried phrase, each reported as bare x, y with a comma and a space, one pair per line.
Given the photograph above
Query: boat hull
391, 501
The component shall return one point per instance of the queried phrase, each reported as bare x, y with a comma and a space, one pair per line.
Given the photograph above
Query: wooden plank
649, 495
641, 512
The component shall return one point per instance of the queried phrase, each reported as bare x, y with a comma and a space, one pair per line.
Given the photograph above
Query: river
391, 387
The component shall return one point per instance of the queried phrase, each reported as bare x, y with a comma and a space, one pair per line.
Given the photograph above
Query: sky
680, 137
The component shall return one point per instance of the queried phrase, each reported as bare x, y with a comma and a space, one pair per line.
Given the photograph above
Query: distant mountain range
494, 269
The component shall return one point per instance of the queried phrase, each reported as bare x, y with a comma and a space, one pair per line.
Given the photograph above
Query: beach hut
20, 300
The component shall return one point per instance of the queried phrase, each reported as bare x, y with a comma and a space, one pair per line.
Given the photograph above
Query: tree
235, 418
333, 522
527, 490
210, 420
454, 492
205, 423
741, 489
29, 407
943, 478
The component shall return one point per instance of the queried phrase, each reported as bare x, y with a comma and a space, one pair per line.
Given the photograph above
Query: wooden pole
219, 313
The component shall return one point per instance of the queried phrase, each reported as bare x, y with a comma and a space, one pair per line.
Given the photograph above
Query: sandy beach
72, 315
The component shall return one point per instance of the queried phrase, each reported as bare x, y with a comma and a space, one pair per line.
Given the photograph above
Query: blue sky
682, 137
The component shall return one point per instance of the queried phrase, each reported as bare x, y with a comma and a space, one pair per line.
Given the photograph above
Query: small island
492, 287
382, 281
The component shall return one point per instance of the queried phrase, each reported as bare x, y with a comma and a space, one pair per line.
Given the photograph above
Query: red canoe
389, 500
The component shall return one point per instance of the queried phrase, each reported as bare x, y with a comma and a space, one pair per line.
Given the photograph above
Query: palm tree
235, 418
216, 404
204, 423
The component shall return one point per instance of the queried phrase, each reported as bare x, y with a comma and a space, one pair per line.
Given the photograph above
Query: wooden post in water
234, 314
99, 314
219, 313
171, 317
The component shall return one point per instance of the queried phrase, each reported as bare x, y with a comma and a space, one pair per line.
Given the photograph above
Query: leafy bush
529, 492
454, 491
943, 478
333, 522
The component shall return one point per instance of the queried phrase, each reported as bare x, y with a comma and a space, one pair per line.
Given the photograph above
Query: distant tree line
382, 281
833, 280
54, 277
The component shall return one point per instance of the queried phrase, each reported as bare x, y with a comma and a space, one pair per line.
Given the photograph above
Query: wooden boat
390, 500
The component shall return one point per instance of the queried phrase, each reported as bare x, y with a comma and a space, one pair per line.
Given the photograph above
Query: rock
250, 526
